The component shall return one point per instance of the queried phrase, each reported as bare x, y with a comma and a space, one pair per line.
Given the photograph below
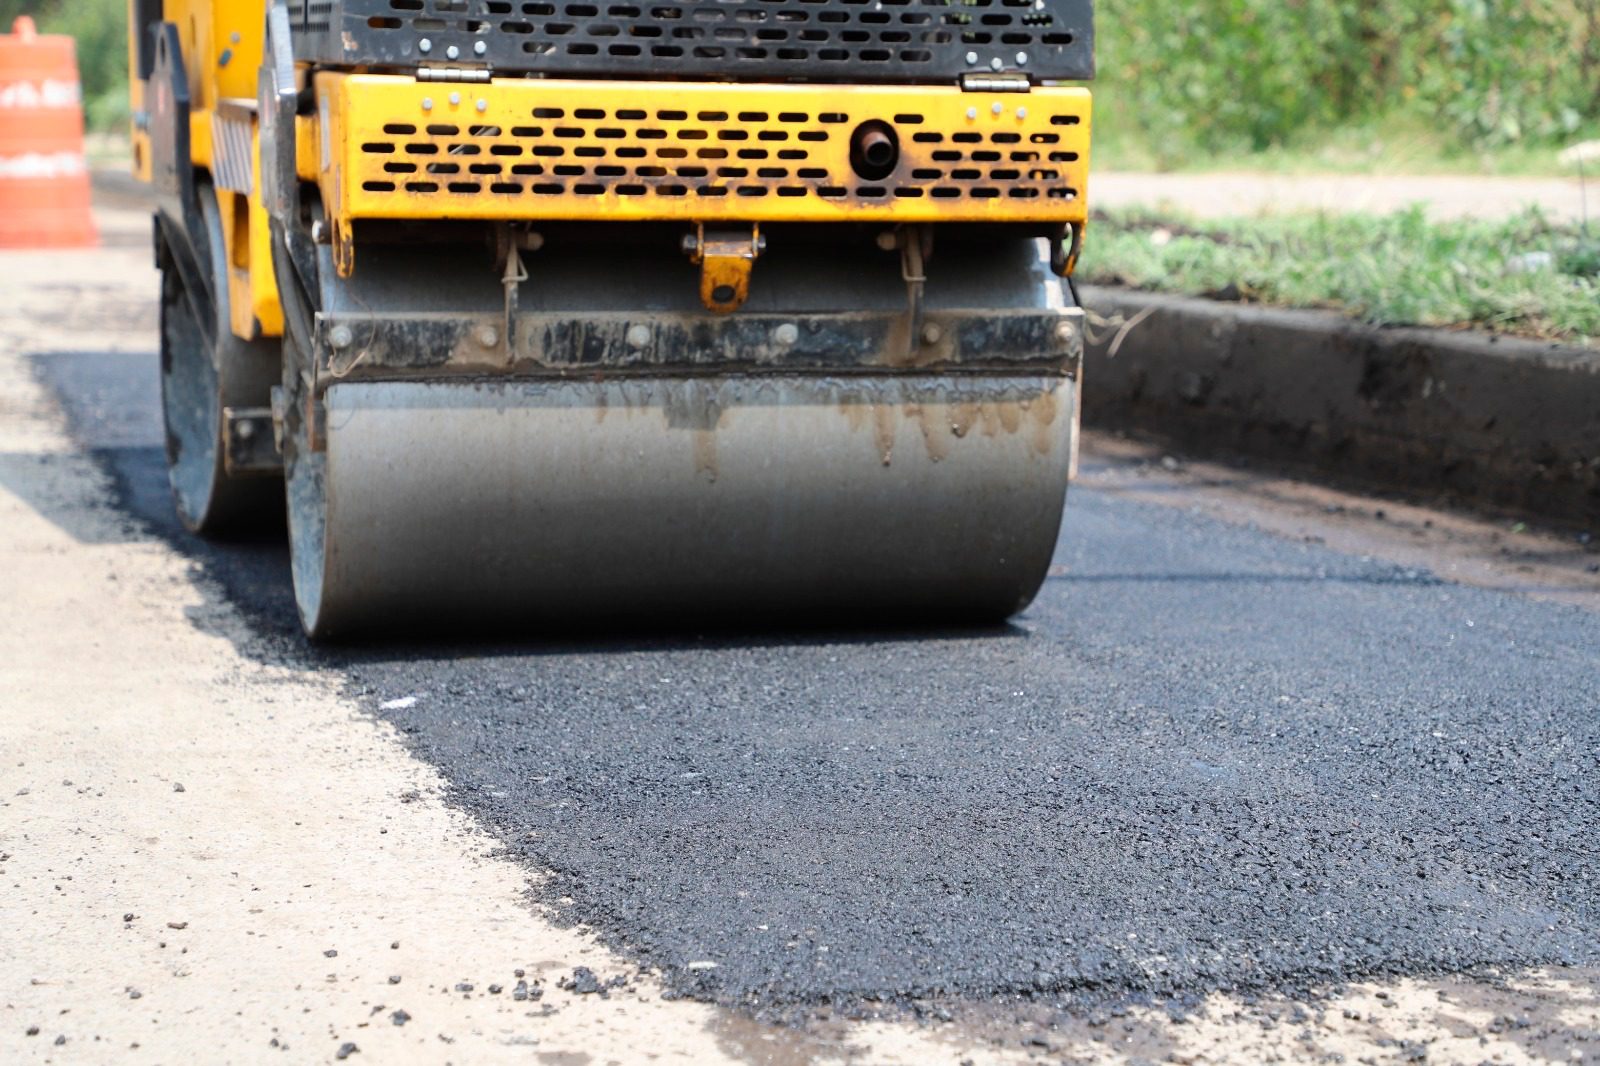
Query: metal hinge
452, 74
1004, 82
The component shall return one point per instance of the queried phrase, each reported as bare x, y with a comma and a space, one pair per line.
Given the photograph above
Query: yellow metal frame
390, 147
222, 46
705, 153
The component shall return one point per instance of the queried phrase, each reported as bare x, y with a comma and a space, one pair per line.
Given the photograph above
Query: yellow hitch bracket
725, 258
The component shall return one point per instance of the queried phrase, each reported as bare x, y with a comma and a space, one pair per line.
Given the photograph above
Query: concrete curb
1494, 422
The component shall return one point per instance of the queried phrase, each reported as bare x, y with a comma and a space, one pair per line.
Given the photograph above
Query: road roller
539, 312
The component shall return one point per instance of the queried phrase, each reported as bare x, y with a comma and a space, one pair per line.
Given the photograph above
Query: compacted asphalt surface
1207, 757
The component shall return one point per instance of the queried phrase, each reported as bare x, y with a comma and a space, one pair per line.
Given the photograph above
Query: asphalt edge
1494, 423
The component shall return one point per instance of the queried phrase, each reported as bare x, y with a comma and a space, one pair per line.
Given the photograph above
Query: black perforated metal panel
900, 41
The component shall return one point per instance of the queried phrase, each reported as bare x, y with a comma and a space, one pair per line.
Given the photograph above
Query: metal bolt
1022, 59
972, 57
972, 112
452, 52
1064, 332
888, 241
320, 233
996, 64
480, 47
424, 46
455, 99
341, 337
638, 336
995, 108
690, 244
488, 336
1022, 112
932, 334
483, 105
427, 103
786, 334
246, 429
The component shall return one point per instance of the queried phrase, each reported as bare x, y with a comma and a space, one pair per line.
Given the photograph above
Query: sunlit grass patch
1527, 275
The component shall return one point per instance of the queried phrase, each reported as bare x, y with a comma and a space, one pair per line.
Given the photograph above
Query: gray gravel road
1207, 757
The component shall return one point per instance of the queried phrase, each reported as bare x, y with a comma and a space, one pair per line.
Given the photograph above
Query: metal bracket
916, 246
1005, 82
453, 74
1065, 244
511, 241
515, 274
725, 259
250, 441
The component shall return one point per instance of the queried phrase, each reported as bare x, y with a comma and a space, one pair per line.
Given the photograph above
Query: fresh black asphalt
1207, 757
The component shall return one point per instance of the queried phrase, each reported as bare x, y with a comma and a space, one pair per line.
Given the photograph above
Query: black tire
197, 382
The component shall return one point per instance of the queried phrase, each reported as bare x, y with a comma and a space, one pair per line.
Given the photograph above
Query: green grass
1525, 276
1391, 146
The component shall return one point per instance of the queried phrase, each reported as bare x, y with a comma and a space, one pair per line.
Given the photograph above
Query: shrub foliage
1232, 74
1253, 73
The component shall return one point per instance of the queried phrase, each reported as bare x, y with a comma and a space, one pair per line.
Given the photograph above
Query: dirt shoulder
1224, 195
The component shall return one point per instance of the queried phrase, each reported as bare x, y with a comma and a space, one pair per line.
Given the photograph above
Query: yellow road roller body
539, 312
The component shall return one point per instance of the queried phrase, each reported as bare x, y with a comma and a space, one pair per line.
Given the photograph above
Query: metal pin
1022, 59
786, 334
480, 47
995, 64
638, 336
483, 105
972, 112
341, 337
427, 103
488, 336
996, 108
455, 98
1022, 112
972, 57
452, 52
932, 334
424, 45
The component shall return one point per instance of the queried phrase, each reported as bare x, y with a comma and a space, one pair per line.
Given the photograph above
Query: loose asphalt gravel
1207, 757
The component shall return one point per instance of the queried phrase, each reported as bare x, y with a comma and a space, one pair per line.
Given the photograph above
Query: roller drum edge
557, 501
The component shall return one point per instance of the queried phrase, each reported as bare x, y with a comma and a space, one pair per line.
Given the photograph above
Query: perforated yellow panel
522, 149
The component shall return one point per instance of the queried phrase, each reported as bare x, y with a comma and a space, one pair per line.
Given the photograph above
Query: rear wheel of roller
197, 381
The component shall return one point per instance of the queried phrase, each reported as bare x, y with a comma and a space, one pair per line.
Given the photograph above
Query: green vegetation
1392, 145
1317, 85
1524, 276
1233, 78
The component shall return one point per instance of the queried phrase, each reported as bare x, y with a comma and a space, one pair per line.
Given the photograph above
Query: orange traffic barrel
44, 181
